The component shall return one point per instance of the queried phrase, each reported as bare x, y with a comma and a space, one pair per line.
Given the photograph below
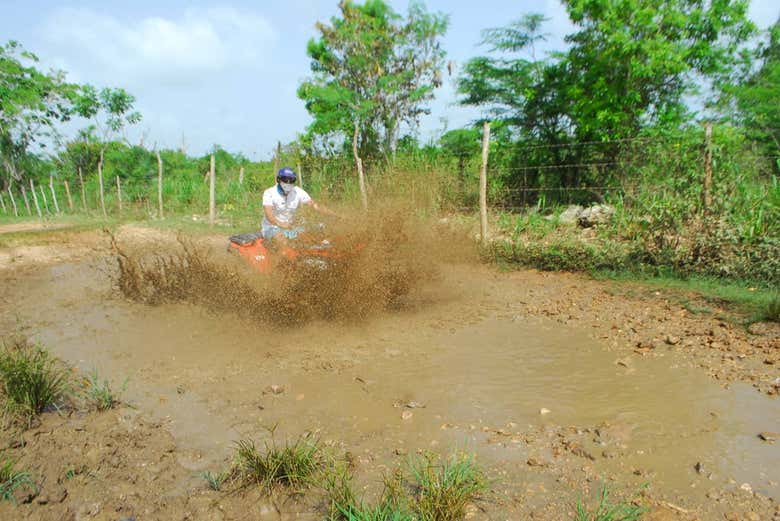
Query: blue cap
286, 174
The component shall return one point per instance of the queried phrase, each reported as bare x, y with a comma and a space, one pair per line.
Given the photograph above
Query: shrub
31, 379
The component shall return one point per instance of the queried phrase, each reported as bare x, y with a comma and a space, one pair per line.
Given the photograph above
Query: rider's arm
269, 215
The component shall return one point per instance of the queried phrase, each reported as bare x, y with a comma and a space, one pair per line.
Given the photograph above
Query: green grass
31, 380
292, 465
11, 479
605, 511
98, 394
753, 303
444, 487
215, 481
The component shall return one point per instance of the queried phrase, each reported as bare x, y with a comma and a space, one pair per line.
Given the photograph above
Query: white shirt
284, 206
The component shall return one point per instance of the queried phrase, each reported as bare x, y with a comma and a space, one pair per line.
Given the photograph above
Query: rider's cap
286, 174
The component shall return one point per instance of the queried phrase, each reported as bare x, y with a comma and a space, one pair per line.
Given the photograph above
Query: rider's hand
284, 225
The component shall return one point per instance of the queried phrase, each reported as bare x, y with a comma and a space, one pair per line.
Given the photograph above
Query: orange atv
307, 248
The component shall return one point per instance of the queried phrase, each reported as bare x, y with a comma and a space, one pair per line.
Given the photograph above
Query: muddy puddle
460, 366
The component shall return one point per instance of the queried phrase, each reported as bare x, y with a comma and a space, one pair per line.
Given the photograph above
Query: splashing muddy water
457, 365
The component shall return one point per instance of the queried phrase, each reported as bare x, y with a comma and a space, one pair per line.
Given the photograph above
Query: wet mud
556, 383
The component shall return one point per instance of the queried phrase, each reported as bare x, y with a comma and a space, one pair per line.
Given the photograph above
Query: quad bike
309, 248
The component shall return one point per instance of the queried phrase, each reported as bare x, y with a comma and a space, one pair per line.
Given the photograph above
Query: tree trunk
67, 193
53, 194
159, 185
100, 186
212, 193
2, 203
483, 183
35, 199
359, 164
83, 191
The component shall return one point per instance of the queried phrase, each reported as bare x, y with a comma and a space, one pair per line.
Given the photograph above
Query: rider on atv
280, 204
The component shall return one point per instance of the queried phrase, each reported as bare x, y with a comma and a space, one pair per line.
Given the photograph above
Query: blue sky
227, 72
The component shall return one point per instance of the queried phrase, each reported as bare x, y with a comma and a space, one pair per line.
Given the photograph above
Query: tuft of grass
215, 481
292, 465
607, 512
345, 506
98, 394
772, 311
11, 479
31, 380
445, 487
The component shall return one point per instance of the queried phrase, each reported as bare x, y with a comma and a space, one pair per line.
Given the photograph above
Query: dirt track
639, 389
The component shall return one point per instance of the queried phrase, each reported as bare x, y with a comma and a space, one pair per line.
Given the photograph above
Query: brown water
459, 347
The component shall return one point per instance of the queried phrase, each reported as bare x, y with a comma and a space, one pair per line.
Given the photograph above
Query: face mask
287, 187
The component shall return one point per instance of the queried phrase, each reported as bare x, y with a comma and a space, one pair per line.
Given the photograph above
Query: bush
31, 378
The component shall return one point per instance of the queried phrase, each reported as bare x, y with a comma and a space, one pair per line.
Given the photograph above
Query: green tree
753, 96
630, 64
32, 103
373, 71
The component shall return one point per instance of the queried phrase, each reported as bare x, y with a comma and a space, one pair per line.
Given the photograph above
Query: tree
629, 65
463, 144
31, 104
752, 98
373, 71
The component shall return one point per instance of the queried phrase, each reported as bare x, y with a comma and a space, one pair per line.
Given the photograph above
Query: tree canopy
373, 69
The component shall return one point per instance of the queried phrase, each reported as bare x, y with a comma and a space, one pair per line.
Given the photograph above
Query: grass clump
393, 505
607, 512
99, 394
215, 481
443, 488
773, 309
31, 380
11, 479
292, 465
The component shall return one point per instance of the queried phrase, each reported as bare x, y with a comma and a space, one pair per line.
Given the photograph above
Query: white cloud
170, 51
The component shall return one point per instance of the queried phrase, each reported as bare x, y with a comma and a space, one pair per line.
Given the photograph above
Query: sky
206, 73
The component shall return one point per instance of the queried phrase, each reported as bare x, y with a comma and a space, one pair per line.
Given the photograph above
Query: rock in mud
407, 415
544, 410
771, 437
672, 340
274, 389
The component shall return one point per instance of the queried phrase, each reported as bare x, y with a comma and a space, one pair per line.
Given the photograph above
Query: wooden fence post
13, 201
35, 199
119, 193
83, 191
67, 193
159, 185
26, 200
707, 185
483, 183
300, 175
359, 164
277, 157
45, 201
53, 194
100, 182
241, 176
212, 192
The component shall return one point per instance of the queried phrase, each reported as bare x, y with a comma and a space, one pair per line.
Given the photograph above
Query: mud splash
382, 258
